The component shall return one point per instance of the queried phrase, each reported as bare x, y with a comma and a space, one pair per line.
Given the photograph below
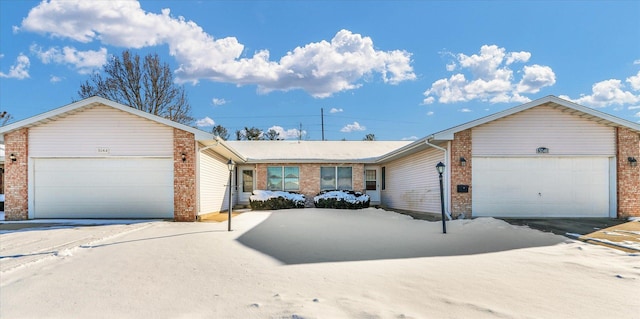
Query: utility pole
322, 121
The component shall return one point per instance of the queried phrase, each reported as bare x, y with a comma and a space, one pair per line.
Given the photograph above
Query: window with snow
334, 177
283, 178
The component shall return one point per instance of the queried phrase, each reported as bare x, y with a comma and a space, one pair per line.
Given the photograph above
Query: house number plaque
103, 150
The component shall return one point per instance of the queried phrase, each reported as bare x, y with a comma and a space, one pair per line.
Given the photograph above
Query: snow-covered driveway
281, 265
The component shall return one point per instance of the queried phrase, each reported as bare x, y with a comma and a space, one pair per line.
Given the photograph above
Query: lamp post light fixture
230, 165
632, 161
463, 161
440, 168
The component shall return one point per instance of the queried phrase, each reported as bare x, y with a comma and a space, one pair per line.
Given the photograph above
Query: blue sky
396, 69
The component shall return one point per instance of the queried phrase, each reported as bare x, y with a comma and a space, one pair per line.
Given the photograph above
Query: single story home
99, 159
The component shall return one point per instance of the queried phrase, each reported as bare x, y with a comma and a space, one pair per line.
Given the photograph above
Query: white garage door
103, 188
541, 187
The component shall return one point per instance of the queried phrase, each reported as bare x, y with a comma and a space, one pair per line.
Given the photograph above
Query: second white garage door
541, 187
103, 188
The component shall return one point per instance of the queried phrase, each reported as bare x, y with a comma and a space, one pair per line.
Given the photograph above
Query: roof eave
95, 100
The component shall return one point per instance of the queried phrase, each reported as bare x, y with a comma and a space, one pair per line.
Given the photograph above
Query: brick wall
310, 177
628, 186
184, 176
16, 204
461, 175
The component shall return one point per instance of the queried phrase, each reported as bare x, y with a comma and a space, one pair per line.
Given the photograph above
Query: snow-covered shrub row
267, 200
341, 199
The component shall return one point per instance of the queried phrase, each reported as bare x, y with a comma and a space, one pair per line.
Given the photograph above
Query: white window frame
335, 172
283, 178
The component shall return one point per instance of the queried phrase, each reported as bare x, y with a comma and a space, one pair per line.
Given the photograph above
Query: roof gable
552, 101
92, 102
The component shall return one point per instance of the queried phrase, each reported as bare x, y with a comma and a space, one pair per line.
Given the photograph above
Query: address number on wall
103, 150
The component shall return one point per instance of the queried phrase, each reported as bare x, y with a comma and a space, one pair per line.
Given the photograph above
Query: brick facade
310, 177
16, 205
461, 175
628, 176
184, 176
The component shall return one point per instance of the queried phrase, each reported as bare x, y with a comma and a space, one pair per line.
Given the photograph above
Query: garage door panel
103, 188
541, 187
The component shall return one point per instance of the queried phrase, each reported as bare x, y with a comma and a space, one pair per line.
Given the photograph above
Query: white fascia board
95, 100
311, 161
448, 134
401, 151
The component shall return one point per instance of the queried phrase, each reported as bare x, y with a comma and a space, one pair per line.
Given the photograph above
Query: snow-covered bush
341, 199
267, 200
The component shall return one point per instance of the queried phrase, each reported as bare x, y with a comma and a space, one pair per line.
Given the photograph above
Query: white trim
448, 133
96, 100
613, 187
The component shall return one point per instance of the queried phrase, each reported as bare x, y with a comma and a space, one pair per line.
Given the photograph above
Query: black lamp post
230, 165
440, 168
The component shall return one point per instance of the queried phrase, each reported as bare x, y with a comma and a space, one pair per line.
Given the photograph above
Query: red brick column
628, 145
16, 204
184, 176
461, 175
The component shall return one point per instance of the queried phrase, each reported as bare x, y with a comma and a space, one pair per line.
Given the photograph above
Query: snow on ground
313, 263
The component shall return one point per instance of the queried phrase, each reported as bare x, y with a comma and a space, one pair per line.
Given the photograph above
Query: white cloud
451, 67
634, 107
634, 81
410, 138
288, 134
430, 113
55, 79
218, 102
488, 76
607, 93
320, 68
352, 128
335, 110
536, 77
83, 61
19, 70
205, 122
465, 110
637, 114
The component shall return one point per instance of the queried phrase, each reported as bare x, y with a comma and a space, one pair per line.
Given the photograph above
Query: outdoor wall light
184, 157
463, 161
13, 157
632, 161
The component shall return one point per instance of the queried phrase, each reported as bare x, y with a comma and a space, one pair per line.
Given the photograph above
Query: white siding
562, 133
81, 134
214, 180
412, 184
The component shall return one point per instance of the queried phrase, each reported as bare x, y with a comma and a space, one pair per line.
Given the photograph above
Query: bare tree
251, 134
272, 135
5, 118
369, 137
220, 131
146, 86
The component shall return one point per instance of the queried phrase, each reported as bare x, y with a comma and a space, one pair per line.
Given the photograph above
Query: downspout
447, 186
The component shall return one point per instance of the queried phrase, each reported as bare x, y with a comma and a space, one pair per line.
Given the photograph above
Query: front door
371, 185
246, 184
